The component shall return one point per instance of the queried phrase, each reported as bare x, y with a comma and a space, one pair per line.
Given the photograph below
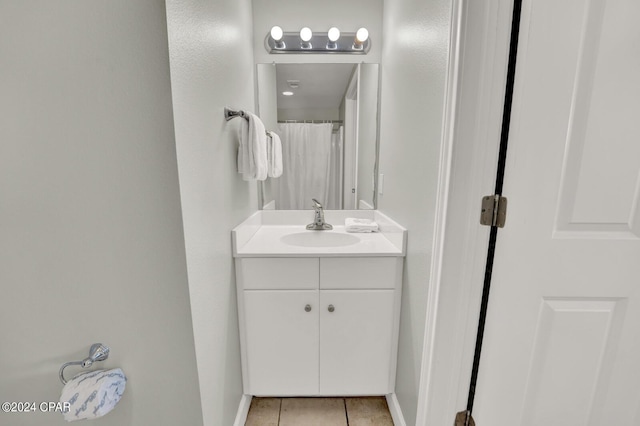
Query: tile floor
360, 411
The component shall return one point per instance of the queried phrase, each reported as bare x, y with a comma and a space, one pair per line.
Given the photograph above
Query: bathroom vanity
318, 310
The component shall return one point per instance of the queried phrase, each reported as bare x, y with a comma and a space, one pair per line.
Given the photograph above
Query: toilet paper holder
97, 352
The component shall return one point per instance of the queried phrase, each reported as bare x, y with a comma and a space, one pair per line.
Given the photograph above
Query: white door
355, 341
562, 341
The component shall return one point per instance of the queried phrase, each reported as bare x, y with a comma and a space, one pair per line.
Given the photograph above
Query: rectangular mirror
327, 118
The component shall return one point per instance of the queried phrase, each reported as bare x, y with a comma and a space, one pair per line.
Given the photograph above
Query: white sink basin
319, 239
282, 233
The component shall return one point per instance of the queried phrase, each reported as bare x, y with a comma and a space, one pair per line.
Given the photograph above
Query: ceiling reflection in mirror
326, 118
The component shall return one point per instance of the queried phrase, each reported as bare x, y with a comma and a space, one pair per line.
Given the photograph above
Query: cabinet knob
307, 308
331, 308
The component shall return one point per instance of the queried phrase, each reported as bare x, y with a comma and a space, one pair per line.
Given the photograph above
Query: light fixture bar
318, 44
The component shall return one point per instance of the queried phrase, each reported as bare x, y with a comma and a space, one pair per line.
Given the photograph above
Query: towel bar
230, 114
97, 352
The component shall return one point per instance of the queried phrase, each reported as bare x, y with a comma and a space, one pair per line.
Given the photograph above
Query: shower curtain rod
311, 121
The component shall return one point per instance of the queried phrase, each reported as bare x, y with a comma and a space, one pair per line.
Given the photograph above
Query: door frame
474, 96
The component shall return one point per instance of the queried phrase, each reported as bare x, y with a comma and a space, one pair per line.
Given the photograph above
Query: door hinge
494, 211
463, 418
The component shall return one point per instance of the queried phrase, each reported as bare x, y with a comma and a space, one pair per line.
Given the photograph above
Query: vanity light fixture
333, 35
287, 93
308, 41
277, 34
306, 35
362, 35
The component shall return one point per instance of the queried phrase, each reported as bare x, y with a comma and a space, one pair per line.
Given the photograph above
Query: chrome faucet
318, 220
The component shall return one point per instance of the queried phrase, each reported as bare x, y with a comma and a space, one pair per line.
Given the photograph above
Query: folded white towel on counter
252, 151
274, 155
352, 224
92, 394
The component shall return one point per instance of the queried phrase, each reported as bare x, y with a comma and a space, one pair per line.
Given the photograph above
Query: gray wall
212, 67
414, 68
91, 239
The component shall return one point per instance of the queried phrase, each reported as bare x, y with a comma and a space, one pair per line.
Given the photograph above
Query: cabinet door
355, 341
282, 342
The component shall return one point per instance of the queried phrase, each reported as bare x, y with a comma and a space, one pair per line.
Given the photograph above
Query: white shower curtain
308, 166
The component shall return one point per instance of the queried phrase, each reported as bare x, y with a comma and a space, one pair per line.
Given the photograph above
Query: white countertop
262, 236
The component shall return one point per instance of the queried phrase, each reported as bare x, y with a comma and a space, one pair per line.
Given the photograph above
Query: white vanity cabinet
314, 326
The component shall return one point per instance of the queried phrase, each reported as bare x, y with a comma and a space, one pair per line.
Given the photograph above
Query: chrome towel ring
97, 352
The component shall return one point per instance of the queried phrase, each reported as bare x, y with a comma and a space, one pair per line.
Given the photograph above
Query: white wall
212, 67
292, 15
91, 246
414, 69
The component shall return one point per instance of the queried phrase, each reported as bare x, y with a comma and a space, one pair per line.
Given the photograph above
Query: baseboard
394, 409
243, 410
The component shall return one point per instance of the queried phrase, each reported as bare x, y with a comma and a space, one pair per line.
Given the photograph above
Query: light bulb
362, 35
276, 33
306, 34
334, 34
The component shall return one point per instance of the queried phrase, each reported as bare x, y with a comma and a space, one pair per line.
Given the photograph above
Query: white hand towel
352, 224
274, 153
92, 394
252, 151
245, 157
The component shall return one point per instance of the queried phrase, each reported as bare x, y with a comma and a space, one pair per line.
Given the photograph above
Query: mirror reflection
326, 117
